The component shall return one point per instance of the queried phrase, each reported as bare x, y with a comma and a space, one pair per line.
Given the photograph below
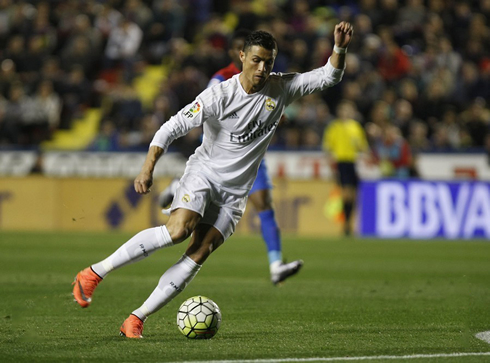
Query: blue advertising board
424, 209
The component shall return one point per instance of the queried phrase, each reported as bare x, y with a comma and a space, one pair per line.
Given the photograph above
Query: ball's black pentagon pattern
199, 318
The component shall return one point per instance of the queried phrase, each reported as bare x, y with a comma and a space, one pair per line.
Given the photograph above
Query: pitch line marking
344, 359
484, 335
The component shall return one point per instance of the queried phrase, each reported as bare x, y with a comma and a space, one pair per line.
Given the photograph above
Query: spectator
13, 115
125, 108
16, 52
452, 124
393, 153
403, 116
431, 53
140, 138
393, 63
49, 105
139, 13
76, 91
122, 47
418, 137
106, 19
8, 76
107, 138
477, 121
79, 52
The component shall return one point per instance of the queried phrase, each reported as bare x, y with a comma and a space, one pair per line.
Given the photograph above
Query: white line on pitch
484, 335
344, 359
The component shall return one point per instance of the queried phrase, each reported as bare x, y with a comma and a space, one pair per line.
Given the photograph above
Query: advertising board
424, 209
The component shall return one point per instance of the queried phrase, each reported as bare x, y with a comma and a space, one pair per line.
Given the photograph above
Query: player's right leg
177, 229
138, 247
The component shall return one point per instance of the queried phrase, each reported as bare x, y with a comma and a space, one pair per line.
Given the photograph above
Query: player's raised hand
143, 182
343, 34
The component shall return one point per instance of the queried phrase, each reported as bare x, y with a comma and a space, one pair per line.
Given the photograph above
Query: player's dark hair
262, 39
240, 34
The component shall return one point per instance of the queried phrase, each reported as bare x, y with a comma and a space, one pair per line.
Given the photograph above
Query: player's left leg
205, 240
217, 224
261, 198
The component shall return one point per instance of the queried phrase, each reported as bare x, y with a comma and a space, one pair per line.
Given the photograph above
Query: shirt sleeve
191, 116
302, 84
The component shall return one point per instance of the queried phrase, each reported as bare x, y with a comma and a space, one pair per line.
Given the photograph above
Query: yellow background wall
309, 208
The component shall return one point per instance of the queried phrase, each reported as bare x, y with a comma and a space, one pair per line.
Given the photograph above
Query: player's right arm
144, 180
191, 116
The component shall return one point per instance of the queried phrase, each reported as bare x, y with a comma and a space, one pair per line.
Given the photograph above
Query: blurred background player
260, 195
344, 139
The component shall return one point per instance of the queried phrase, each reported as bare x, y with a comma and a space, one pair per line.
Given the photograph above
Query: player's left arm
342, 36
302, 84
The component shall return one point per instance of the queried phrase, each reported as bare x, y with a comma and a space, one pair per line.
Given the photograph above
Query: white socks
137, 248
172, 282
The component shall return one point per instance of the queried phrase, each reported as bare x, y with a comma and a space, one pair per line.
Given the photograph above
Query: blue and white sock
271, 236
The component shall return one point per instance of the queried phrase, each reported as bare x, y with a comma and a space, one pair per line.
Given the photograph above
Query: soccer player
260, 195
213, 191
343, 140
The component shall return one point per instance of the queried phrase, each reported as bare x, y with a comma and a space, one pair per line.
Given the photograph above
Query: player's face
257, 63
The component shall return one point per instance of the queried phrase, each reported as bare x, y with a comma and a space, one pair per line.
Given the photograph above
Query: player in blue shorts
260, 195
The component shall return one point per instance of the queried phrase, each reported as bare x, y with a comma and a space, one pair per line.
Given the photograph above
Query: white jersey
238, 127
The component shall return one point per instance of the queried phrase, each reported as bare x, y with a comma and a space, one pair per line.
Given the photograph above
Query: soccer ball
199, 318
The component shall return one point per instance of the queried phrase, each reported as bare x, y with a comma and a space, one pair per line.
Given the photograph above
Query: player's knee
181, 224
178, 233
262, 207
179, 230
200, 252
261, 200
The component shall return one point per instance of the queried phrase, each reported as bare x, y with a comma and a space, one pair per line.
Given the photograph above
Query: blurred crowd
417, 77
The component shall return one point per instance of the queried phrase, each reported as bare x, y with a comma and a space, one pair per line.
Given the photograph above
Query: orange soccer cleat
84, 285
132, 327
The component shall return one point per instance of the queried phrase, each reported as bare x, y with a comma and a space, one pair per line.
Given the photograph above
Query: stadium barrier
307, 208
303, 165
93, 191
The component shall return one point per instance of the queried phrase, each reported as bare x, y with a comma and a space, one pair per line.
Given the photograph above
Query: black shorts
347, 174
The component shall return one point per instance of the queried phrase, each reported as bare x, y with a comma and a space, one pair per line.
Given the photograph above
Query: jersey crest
270, 104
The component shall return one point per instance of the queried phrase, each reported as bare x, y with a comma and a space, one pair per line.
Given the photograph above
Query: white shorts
218, 208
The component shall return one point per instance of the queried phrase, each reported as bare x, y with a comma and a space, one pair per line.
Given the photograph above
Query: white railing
294, 165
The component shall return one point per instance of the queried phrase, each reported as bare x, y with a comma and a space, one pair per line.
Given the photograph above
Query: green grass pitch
353, 298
